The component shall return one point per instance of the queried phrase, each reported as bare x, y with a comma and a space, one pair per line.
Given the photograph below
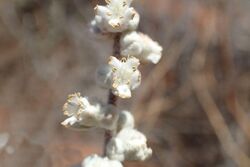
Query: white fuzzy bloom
126, 120
83, 115
141, 46
116, 16
97, 161
125, 75
129, 144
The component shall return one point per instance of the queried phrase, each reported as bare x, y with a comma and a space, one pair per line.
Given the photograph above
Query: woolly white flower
129, 144
141, 46
116, 16
126, 120
125, 75
83, 115
96, 161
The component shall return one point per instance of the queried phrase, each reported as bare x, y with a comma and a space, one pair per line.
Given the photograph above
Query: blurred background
193, 106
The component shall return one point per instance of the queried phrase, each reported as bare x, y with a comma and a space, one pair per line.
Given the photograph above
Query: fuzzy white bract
125, 75
141, 46
97, 161
116, 16
126, 120
82, 114
129, 144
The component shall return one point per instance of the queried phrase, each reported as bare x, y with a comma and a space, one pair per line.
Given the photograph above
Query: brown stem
112, 99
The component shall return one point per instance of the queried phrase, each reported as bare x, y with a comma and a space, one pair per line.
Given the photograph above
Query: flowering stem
112, 99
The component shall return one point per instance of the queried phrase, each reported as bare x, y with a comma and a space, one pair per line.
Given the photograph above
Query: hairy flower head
83, 114
116, 16
141, 46
129, 144
125, 75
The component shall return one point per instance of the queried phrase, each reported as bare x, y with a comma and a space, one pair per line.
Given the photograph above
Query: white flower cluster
97, 161
83, 115
116, 16
121, 76
128, 143
125, 75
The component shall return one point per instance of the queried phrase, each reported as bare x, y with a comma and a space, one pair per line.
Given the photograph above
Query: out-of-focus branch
157, 75
216, 119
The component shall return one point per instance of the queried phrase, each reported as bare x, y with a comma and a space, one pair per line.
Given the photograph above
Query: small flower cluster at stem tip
121, 76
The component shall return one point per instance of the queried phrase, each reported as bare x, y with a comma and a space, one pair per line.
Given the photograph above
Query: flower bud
128, 144
141, 46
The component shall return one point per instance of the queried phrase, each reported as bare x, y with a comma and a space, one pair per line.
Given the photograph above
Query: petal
132, 62
98, 20
135, 80
115, 23
115, 149
134, 49
69, 121
97, 161
73, 104
129, 38
102, 11
123, 91
74, 124
154, 58
114, 62
129, 14
85, 101
70, 109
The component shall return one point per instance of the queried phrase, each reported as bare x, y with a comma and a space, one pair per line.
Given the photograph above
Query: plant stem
112, 99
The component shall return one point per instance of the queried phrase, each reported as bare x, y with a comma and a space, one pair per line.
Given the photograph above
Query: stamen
110, 60
114, 69
123, 59
116, 25
134, 69
133, 15
124, 4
